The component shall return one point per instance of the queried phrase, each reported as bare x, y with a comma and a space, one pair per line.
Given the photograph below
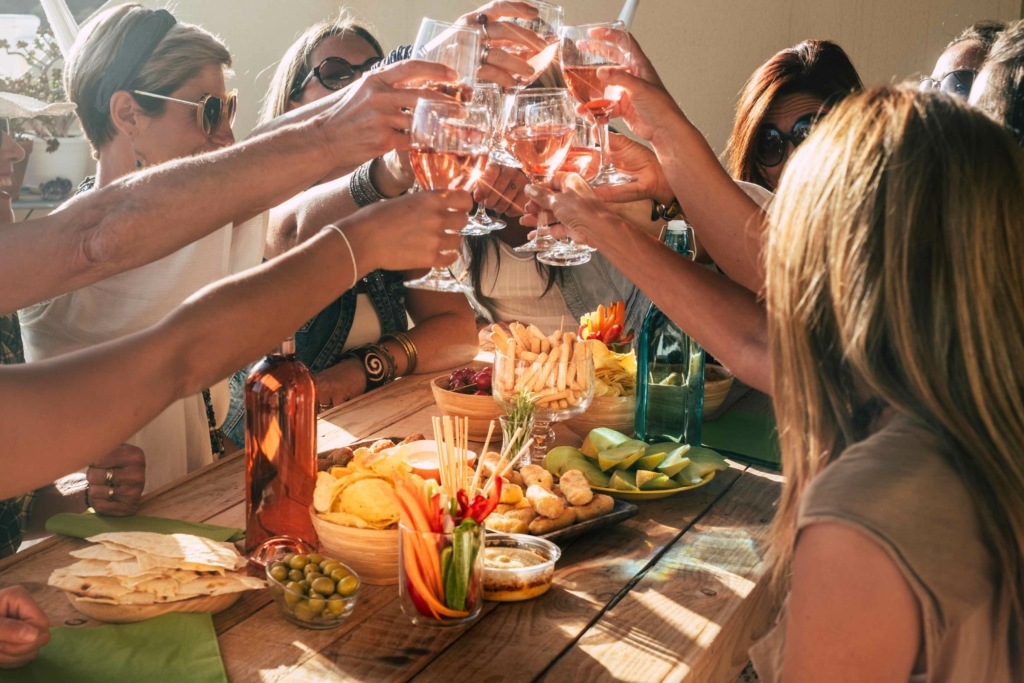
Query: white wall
704, 49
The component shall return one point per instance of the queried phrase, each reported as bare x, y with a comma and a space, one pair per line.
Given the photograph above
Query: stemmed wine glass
584, 50
583, 158
454, 46
488, 96
448, 151
546, 24
541, 131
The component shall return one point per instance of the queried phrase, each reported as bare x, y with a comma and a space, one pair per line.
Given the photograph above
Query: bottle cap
677, 225
288, 346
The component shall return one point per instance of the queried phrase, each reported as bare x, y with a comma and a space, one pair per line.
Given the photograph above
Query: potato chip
373, 500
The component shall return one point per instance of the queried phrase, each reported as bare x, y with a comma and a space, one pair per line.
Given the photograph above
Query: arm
723, 317
852, 616
109, 391
153, 213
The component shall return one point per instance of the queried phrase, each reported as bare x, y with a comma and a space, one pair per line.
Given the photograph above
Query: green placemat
746, 436
172, 647
90, 524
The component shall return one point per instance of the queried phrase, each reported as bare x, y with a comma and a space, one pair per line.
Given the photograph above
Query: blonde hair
294, 66
180, 56
896, 277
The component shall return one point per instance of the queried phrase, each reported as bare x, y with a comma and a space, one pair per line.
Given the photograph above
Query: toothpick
511, 462
501, 458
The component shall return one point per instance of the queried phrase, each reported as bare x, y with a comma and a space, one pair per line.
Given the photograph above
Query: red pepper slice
481, 507
611, 333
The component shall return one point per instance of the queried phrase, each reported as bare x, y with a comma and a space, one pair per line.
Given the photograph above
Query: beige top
896, 487
515, 288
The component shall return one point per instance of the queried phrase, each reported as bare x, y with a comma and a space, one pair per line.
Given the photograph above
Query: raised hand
581, 215
116, 481
505, 39
23, 627
502, 190
629, 156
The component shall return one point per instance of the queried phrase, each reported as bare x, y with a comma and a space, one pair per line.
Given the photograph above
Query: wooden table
675, 594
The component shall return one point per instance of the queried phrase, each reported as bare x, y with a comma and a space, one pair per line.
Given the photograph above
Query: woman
895, 303
780, 104
958, 65
328, 56
999, 88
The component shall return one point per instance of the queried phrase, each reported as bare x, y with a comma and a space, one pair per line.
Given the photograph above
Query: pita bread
89, 587
101, 552
219, 585
89, 568
161, 588
185, 548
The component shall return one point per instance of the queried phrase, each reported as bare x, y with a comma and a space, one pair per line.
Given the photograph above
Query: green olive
313, 576
293, 594
329, 566
327, 615
348, 585
317, 605
315, 558
323, 585
276, 589
296, 575
303, 611
305, 586
278, 572
287, 558
339, 574
310, 568
298, 562
336, 604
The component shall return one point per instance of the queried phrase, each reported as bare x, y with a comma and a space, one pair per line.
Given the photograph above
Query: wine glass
583, 158
546, 24
585, 49
454, 46
540, 133
448, 151
488, 96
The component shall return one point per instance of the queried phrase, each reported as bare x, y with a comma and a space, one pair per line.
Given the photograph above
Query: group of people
859, 261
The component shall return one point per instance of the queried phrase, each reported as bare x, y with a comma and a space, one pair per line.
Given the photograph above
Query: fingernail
26, 633
531, 191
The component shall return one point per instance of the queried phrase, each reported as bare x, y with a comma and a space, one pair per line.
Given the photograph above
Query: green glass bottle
670, 370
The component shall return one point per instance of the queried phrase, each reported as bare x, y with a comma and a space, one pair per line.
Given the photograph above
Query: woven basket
479, 409
613, 412
372, 554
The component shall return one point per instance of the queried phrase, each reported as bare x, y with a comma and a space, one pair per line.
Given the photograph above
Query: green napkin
751, 436
172, 647
90, 524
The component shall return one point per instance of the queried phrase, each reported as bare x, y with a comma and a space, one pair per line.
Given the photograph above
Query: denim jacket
321, 341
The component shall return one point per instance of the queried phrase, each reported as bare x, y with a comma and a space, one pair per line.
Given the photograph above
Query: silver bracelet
351, 253
361, 187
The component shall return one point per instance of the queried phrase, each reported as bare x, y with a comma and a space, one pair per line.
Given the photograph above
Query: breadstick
573, 398
519, 332
509, 378
545, 346
563, 404
498, 336
529, 356
563, 363
570, 376
531, 371
534, 346
535, 332
555, 337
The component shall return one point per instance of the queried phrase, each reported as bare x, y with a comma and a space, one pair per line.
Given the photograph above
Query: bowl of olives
313, 591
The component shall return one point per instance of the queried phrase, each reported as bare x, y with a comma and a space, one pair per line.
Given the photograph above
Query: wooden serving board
128, 614
620, 513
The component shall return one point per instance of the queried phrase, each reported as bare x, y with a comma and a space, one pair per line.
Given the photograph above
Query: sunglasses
957, 83
211, 111
5, 125
771, 142
334, 73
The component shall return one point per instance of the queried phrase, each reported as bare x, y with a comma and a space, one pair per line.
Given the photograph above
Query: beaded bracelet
361, 187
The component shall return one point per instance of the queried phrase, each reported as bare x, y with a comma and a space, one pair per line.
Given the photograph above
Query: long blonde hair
295, 66
896, 277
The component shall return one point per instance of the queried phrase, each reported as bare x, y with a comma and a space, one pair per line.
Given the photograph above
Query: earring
138, 157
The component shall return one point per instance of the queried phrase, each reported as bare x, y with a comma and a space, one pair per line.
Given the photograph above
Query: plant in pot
54, 146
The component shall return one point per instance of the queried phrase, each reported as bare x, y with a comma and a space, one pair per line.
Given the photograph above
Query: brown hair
179, 57
815, 67
895, 278
986, 32
1003, 97
295, 66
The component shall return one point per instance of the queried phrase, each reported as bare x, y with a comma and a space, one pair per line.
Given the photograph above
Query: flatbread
161, 588
89, 568
185, 548
89, 587
101, 552
219, 585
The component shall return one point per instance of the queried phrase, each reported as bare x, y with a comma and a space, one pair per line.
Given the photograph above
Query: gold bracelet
410, 349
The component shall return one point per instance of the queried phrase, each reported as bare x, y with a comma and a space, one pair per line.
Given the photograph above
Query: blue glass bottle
670, 370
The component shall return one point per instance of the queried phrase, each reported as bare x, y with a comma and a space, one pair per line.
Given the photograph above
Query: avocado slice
655, 454
603, 439
588, 448
591, 471
686, 477
704, 460
556, 457
621, 457
648, 481
675, 461
624, 481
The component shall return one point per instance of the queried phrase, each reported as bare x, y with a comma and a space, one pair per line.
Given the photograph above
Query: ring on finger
110, 494
449, 252
486, 51
109, 481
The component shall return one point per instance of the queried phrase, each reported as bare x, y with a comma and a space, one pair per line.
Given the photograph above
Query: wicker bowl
717, 383
614, 412
372, 554
479, 409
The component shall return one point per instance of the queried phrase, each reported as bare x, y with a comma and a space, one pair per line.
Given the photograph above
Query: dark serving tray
620, 513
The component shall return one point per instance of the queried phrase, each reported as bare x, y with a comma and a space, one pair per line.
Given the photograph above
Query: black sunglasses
334, 73
5, 125
957, 83
771, 142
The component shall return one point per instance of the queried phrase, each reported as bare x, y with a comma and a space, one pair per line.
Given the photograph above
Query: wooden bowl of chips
614, 412
129, 614
372, 554
480, 410
717, 383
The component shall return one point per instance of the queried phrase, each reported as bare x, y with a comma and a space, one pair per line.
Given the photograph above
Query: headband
136, 49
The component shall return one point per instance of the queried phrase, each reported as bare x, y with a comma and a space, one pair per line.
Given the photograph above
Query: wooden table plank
693, 616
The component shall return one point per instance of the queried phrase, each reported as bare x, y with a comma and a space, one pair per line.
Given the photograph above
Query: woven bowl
372, 554
479, 409
717, 383
614, 412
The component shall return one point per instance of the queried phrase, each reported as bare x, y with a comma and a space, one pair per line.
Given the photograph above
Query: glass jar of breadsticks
557, 370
